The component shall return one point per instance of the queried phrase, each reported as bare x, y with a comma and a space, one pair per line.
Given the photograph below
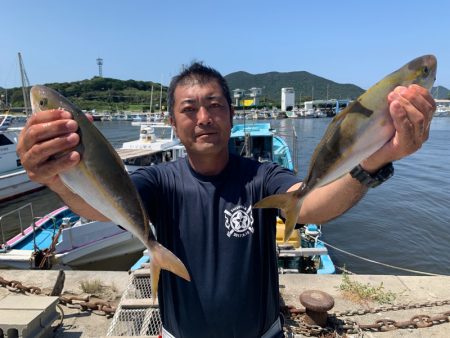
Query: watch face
386, 172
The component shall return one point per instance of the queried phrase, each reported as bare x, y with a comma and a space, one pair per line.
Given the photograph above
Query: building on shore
243, 98
255, 93
287, 99
238, 94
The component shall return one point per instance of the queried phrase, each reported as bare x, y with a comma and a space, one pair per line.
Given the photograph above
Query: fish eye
43, 102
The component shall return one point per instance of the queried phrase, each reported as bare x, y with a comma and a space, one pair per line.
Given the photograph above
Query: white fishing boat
14, 180
157, 143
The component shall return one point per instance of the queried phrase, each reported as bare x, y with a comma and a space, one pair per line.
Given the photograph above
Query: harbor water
403, 223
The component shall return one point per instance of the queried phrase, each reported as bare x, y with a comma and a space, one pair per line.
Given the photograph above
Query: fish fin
289, 203
279, 201
161, 258
155, 270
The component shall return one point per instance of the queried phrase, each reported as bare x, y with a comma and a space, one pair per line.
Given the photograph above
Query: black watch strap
375, 179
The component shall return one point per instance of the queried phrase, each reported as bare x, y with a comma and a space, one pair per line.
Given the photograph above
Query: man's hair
197, 73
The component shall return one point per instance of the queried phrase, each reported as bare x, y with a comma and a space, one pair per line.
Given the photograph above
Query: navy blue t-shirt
228, 248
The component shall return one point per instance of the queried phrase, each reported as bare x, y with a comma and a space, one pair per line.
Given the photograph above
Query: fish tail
161, 258
155, 270
290, 203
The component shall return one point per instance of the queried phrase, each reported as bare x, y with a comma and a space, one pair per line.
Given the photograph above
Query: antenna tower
100, 66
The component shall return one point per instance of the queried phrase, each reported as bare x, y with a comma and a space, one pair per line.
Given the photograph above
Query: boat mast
25, 87
160, 99
151, 100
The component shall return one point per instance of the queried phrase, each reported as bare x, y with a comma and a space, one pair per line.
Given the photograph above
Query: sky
354, 41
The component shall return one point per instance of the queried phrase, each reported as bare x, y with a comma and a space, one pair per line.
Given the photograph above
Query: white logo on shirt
239, 221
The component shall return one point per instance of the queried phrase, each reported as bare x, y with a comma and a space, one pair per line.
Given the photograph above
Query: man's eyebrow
187, 101
208, 97
213, 97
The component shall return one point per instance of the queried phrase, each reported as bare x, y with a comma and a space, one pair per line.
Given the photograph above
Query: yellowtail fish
353, 135
101, 180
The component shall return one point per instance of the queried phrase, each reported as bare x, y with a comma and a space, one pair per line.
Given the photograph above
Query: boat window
167, 156
4, 141
147, 160
256, 147
163, 132
236, 145
262, 148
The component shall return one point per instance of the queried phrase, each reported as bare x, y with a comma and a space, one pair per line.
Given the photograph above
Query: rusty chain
392, 308
99, 307
295, 324
338, 327
16, 286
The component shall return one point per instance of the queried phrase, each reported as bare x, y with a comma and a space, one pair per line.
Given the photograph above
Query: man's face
202, 118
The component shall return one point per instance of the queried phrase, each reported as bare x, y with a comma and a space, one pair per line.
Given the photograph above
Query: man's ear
172, 123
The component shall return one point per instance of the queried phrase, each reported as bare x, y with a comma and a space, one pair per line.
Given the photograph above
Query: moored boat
157, 143
14, 180
260, 142
62, 239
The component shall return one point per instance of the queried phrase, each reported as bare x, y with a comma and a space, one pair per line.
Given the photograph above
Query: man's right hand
46, 146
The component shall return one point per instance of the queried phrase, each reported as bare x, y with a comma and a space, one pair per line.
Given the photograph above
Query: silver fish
353, 135
101, 180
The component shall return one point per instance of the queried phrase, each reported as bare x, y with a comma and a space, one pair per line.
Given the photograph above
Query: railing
291, 141
18, 212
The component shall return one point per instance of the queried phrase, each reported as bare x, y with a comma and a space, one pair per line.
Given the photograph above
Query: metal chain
16, 286
99, 307
295, 323
391, 308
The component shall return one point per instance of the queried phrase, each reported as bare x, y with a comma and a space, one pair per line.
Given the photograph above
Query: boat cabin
9, 160
252, 141
157, 143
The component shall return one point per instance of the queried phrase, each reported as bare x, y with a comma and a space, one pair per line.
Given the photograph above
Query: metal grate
136, 315
136, 322
139, 286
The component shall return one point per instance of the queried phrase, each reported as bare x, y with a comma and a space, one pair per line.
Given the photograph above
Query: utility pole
100, 67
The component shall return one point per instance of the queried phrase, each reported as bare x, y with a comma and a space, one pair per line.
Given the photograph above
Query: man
192, 202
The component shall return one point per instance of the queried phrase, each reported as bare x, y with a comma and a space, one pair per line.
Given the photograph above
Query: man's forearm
328, 202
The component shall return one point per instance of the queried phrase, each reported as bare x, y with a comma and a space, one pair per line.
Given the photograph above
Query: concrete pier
408, 289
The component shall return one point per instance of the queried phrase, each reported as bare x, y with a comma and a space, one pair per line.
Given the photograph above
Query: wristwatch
375, 179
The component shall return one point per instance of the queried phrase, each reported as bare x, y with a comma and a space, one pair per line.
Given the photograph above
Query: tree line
102, 94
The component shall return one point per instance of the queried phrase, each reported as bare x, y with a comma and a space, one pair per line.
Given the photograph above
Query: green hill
107, 94
306, 85
104, 94
440, 92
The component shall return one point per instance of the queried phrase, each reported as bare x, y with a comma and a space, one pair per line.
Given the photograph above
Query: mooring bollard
316, 303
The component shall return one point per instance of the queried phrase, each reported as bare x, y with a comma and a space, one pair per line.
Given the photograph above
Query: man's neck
208, 166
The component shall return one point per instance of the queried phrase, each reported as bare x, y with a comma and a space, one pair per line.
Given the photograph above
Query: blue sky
352, 41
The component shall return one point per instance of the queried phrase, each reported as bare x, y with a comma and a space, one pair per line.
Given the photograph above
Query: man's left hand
411, 110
